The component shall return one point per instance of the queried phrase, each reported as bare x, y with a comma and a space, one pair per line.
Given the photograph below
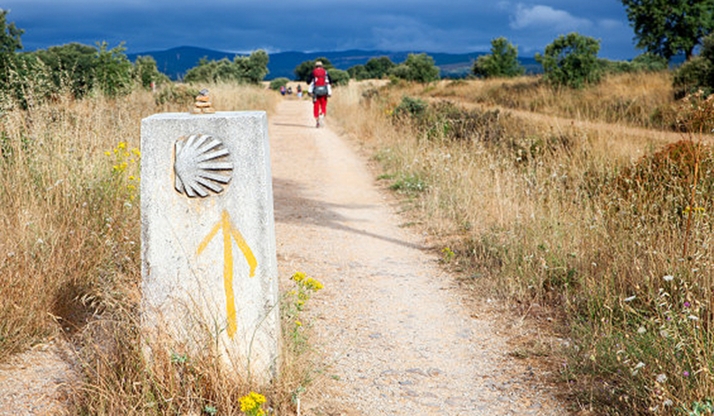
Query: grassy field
70, 254
570, 205
591, 207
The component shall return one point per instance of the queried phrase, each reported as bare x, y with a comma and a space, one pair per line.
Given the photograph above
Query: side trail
391, 326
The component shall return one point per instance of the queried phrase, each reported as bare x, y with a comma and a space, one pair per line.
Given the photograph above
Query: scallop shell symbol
201, 165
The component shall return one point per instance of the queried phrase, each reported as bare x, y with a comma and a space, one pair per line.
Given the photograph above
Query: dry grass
631, 99
559, 207
547, 203
70, 257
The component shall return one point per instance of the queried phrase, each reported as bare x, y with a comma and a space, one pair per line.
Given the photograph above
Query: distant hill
176, 61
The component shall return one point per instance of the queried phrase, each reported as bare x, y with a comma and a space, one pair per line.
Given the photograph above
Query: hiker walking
320, 89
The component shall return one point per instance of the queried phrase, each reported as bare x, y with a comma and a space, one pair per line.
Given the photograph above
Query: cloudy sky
242, 26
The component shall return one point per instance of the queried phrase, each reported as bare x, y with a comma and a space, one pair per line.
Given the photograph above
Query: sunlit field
581, 209
590, 207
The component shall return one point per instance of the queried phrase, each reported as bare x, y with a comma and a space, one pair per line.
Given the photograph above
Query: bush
411, 107
146, 73
339, 77
417, 67
278, 82
646, 62
182, 95
697, 73
691, 76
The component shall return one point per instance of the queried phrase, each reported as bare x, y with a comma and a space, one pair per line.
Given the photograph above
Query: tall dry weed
69, 249
586, 217
635, 99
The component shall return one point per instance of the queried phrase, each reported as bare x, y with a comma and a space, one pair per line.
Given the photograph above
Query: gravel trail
397, 335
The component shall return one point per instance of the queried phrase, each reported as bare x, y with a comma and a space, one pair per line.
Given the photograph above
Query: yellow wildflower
299, 276
251, 403
313, 284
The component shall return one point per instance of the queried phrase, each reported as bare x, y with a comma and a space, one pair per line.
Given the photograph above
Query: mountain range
177, 61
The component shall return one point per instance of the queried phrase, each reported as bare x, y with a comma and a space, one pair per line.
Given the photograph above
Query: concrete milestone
209, 266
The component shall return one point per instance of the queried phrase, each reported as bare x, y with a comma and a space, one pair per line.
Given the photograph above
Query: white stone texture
185, 260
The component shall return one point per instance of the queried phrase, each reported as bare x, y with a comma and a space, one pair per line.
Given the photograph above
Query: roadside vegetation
576, 217
580, 199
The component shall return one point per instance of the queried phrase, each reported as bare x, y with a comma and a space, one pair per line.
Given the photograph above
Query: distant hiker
320, 89
290, 90
282, 90
299, 91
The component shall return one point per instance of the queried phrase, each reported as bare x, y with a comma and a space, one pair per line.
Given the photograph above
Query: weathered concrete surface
208, 263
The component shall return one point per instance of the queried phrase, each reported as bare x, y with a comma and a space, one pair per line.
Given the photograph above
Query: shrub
411, 107
646, 62
147, 74
698, 72
417, 67
339, 77
278, 82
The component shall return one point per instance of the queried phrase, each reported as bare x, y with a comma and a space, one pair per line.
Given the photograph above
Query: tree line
663, 29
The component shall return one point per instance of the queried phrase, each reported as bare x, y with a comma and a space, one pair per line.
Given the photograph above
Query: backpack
320, 88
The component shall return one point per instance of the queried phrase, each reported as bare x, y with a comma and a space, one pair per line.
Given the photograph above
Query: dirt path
391, 323
37, 381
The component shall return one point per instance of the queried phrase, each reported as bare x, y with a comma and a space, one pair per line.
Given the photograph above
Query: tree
113, 70
146, 72
10, 43
378, 68
417, 67
71, 66
302, 72
253, 68
502, 62
670, 27
358, 72
243, 69
571, 61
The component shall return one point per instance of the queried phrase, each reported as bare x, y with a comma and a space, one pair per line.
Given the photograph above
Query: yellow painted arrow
228, 232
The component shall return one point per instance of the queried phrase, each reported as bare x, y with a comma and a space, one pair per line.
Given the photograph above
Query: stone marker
209, 264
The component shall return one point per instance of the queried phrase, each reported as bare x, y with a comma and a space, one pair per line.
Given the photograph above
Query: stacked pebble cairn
202, 105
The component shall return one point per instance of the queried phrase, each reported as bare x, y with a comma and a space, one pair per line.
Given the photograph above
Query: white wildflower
661, 378
641, 330
668, 278
693, 317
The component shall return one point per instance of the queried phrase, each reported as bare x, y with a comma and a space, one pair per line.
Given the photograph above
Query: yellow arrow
228, 232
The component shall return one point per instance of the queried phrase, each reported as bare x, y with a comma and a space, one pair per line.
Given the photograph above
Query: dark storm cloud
311, 25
